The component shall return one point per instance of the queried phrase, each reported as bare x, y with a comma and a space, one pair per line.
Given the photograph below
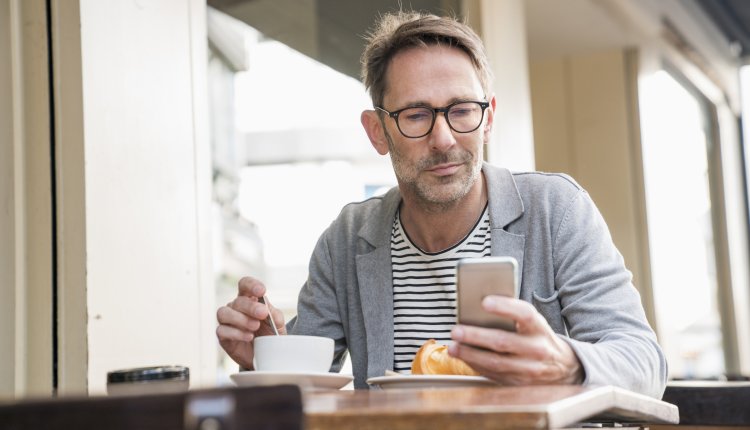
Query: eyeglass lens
462, 117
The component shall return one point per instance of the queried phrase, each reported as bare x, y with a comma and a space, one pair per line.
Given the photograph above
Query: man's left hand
533, 354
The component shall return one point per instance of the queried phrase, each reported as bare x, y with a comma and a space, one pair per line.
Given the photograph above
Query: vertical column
8, 204
147, 265
586, 126
207, 347
72, 348
502, 26
26, 268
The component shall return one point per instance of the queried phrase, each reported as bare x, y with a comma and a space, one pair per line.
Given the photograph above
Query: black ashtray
148, 380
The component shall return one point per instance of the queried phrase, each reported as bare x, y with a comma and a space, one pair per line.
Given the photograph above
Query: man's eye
416, 116
461, 112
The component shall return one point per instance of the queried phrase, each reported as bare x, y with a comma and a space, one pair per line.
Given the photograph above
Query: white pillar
502, 26
134, 189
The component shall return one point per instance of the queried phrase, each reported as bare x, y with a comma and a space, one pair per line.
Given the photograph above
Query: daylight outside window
288, 156
680, 225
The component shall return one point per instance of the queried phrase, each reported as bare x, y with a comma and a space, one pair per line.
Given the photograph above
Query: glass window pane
680, 228
288, 153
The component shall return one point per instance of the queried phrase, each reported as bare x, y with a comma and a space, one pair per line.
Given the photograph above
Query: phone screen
477, 278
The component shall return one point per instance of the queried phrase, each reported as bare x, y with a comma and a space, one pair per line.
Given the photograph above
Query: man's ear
374, 129
490, 120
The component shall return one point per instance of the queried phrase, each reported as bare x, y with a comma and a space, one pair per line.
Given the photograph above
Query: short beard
427, 198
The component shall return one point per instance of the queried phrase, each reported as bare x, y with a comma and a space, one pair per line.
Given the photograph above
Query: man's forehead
421, 75
432, 51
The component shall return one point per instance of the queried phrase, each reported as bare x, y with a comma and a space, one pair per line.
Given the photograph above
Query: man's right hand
244, 318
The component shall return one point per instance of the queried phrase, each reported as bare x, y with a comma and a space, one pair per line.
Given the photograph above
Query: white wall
147, 193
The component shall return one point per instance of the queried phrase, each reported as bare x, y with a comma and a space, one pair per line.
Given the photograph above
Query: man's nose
441, 137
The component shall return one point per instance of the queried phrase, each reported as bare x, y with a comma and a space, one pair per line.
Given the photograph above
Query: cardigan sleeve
317, 308
602, 310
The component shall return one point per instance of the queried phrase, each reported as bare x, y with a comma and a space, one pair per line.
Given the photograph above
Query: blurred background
155, 151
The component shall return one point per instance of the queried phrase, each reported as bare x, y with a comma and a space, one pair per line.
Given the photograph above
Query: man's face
441, 168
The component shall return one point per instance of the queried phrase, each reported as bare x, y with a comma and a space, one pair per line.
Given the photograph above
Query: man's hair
395, 32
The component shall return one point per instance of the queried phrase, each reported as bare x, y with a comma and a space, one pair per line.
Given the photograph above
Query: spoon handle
269, 320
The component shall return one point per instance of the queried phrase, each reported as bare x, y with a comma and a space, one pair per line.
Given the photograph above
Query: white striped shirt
424, 289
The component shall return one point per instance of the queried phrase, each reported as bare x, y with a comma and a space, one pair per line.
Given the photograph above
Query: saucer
429, 381
305, 380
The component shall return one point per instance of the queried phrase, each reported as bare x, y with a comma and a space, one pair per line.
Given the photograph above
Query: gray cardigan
569, 270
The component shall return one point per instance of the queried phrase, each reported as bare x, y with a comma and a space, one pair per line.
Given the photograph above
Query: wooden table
542, 407
286, 408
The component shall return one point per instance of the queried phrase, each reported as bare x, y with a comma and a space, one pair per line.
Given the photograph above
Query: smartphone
477, 278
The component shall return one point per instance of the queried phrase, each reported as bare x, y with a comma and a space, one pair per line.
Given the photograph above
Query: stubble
444, 193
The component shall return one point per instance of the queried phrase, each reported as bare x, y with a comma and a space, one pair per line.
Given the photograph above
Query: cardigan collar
505, 206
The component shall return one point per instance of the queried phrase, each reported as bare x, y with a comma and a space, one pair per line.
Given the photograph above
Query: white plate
318, 381
429, 381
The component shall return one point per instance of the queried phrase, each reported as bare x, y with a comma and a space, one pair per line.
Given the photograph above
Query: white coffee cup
291, 353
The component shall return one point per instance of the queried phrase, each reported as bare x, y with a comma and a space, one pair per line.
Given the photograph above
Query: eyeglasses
417, 121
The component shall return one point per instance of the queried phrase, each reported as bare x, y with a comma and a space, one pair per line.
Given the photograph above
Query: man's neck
434, 229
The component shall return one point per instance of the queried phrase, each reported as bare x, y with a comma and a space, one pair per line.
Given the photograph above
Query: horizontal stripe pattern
424, 289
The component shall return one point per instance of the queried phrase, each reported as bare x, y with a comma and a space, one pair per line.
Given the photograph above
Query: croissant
433, 359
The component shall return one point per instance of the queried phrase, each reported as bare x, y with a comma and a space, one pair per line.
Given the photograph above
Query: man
383, 273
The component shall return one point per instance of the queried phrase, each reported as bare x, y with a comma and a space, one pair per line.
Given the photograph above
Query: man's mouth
445, 169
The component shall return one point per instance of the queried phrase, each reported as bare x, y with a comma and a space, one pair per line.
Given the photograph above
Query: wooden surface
266, 408
480, 408
284, 407
711, 403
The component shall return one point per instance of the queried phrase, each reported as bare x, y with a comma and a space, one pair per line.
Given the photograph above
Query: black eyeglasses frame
444, 110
